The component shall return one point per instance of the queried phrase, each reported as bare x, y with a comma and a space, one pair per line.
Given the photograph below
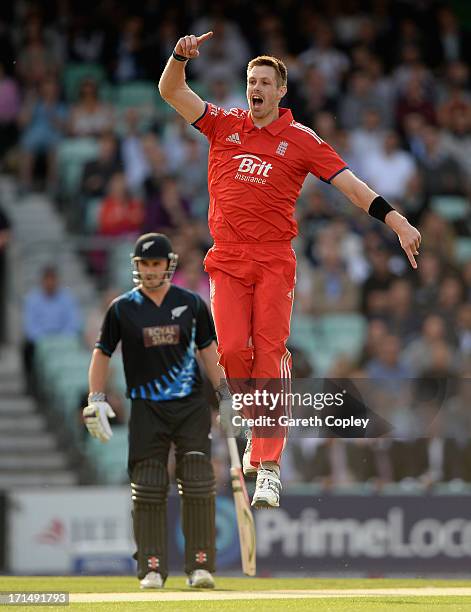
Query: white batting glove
96, 416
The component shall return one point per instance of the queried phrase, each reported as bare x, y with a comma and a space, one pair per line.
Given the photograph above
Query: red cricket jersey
255, 174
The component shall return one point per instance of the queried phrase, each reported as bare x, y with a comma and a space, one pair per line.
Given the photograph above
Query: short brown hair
274, 62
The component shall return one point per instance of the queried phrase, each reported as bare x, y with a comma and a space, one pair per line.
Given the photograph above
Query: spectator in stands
428, 282
43, 121
48, 310
221, 91
315, 94
368, 136
135, 162
98, 172
314, 216
9, 111
390, 170
388, 364
375, 290
457, 142
332, 288
437, 236
450, 298
166, 210
85, 39
417, 353
359, 98
35, 61
441, 173
130, 58
5, 237
191, 275
452, 42
226, 51
120, 214
323, 54
377, 331
415, 99
89, 117
403, 320
455, 97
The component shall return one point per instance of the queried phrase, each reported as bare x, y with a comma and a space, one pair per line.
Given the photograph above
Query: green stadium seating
110, 458
451, 208
343, 334
463, 250
74, 74
73, 154
137, 94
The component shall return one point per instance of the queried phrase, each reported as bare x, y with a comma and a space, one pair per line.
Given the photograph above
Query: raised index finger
203, 37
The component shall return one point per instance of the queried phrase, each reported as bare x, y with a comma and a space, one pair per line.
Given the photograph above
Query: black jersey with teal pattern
158, 343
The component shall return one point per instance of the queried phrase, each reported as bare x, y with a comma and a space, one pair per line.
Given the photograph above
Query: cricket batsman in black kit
161, 328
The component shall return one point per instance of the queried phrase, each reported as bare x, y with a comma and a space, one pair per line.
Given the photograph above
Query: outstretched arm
172, 85
362, 196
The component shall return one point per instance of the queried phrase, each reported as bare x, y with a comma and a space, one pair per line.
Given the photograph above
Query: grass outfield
241, 588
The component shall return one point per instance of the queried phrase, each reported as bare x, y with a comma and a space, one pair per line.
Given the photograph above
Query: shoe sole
202, 585
263, 503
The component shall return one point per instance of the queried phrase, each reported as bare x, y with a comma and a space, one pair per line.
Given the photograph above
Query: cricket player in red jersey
258, 160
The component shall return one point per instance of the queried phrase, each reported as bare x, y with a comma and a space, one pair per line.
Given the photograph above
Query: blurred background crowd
386, 83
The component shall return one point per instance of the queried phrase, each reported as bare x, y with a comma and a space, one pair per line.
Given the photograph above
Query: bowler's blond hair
274, 62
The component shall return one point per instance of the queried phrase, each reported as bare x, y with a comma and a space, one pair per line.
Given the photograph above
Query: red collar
275, 127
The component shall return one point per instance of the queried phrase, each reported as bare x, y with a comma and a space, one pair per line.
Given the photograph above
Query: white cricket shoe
248, 468
152, 580
267, 489
200, 579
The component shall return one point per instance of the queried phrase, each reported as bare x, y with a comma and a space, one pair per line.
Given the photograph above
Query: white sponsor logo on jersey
253, 165
176, 312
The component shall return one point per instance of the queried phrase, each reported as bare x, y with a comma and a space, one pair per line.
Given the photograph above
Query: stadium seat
73, 154
463, 250
343, 334
451, 208
136, 95
110, 458
120, 266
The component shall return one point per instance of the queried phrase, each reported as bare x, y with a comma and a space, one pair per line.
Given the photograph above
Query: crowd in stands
387, 83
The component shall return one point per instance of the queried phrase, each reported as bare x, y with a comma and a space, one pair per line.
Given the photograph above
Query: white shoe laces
268, 479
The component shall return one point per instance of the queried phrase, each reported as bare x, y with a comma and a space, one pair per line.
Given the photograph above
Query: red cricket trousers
252, 291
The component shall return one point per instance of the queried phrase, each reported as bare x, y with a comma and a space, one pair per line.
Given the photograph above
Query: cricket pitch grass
119, 594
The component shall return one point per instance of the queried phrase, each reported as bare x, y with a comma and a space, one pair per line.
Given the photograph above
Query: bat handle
233, 453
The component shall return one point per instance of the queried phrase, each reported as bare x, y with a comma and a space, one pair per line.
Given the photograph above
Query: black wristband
379, 208
179, 58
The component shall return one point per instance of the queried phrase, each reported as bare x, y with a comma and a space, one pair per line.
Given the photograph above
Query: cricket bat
245, 522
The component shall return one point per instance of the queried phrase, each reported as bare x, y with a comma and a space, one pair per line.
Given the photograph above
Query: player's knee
233, 354
195, 476
149, 482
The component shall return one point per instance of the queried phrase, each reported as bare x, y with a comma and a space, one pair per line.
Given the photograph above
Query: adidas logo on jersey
235, 138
